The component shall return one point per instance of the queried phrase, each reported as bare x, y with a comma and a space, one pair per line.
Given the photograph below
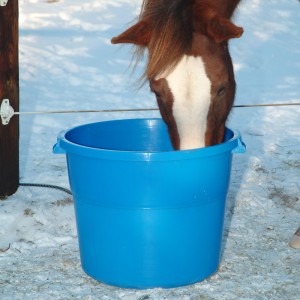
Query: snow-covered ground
67, 63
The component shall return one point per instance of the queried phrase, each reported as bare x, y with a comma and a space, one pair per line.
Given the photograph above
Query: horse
189, 67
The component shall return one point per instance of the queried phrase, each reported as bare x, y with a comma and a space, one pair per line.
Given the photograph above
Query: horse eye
156, 94
221, 90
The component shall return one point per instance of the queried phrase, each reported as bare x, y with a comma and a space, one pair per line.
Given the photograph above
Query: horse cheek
166, 108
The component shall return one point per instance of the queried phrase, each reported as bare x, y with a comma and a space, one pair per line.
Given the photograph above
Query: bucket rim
65, 146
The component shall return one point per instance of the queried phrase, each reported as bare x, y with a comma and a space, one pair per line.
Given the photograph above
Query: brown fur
165, 103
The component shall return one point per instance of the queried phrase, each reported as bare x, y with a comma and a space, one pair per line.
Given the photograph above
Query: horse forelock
171, 34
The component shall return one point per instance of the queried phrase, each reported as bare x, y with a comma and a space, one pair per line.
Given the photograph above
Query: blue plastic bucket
147, 216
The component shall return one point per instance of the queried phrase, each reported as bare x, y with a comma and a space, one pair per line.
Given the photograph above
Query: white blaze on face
190, 87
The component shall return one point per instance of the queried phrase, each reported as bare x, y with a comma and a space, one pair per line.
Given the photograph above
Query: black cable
50, 186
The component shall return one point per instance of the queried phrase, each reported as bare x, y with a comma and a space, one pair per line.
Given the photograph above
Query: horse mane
171, 31
171, 34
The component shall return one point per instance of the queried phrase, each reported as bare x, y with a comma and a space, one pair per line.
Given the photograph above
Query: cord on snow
50, 186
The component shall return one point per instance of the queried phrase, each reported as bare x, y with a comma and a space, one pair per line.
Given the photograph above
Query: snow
67, 63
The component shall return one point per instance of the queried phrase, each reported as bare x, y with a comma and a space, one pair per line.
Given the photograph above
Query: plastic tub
147, 216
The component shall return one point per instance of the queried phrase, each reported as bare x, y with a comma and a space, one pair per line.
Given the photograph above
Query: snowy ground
67, 62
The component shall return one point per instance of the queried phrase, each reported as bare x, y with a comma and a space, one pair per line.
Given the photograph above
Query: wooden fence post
9, 88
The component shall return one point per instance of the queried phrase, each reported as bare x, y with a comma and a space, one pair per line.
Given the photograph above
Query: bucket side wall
149, 184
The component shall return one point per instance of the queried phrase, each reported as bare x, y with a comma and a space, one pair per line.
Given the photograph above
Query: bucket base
150, 248
151, 286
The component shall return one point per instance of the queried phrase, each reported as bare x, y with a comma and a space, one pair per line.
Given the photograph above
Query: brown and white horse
189, 65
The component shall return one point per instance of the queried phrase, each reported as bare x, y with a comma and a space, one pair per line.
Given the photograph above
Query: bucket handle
241, 146
57, 149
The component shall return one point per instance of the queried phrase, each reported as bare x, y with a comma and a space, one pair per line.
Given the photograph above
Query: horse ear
207, 20
139, 34
221, 29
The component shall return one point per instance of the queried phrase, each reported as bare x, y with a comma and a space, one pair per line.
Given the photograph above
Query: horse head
189, 66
